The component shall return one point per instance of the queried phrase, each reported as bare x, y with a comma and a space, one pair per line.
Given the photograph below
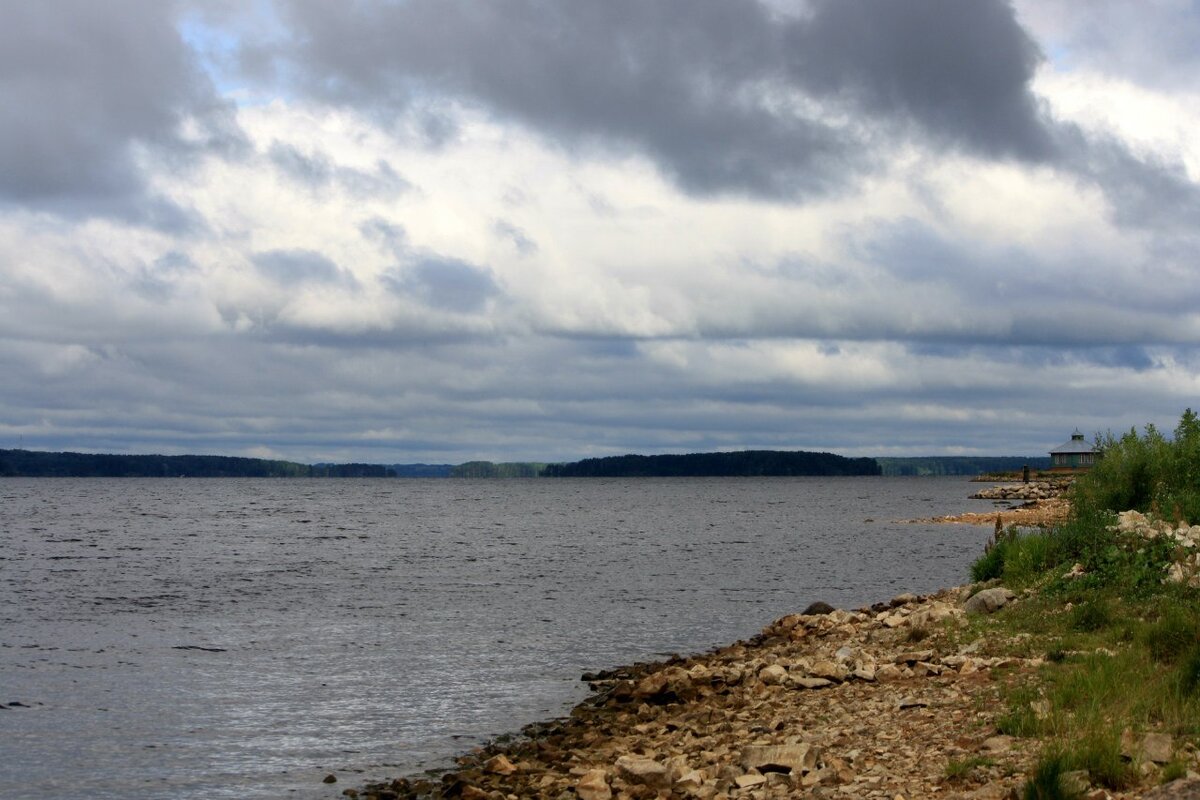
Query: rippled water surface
243, 638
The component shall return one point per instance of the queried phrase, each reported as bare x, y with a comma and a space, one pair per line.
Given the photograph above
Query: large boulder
988, 600
791, 758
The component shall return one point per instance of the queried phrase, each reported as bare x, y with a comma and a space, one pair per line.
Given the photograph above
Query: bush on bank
1121, 644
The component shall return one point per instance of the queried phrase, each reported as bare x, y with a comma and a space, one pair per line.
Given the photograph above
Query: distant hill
421, 470
37, 464
746, 463
958, 465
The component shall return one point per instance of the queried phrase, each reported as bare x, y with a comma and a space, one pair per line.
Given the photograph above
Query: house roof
1076, 445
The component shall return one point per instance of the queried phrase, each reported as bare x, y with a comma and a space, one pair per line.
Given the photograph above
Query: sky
442, 230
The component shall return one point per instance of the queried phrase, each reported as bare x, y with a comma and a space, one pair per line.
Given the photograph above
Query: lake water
243, 638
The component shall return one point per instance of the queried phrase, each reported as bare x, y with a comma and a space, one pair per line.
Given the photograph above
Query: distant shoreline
744, 463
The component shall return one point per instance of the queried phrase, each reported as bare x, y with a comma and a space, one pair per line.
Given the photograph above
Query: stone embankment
891, 702
1034, 490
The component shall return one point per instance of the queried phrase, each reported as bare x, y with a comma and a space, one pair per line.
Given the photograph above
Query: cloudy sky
438, 230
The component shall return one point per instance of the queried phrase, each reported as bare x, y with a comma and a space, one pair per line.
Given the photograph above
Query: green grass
957, 770
1120, 648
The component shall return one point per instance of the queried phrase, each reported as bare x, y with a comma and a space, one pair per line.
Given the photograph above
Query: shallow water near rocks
244, 638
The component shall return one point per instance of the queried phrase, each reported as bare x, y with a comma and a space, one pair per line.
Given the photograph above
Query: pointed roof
1076, 445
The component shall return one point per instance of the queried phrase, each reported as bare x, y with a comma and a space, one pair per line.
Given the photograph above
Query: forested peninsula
744, 463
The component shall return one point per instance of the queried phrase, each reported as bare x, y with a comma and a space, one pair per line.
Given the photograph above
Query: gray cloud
83, 86
729, 97
445, 283
519, 239
319, 172
709, 89
291, 267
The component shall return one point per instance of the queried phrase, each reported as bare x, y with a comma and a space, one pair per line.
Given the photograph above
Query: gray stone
988, 600
1158, 747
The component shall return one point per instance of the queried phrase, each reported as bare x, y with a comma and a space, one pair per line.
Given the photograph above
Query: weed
917, 633
1099, 752
1046, 783
1187, 674
1091, 615
958, 770
1174, 771
1173, 635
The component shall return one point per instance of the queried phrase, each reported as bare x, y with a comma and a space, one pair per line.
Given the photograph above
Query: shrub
1171, 636
1091, 615
1188, 672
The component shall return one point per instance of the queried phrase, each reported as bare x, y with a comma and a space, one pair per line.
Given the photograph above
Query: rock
1182, 789
913, 657
772, 675
651, 685
1075, 782
888, 672
499, 765
988, 600
1158, 747
689, 781
594, 786
470, 792
811, 683
749, 780
793, 758
863, 674
330, 778
644, 771
910, 702
903, 599
998, 744
829, 671
817, 608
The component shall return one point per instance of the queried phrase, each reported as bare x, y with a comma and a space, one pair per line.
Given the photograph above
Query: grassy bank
1110, 603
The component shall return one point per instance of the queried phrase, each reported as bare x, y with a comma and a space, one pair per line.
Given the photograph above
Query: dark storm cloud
959, 71
708, 88
726, 96
82, 86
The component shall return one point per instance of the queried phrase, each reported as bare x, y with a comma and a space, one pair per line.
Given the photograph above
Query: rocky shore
1033, 490
895, 701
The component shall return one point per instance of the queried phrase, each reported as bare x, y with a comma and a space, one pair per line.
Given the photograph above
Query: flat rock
812, 683
794, 758
644, 771
1182, 789
1158, 747
499, 765
913, 656
750, 780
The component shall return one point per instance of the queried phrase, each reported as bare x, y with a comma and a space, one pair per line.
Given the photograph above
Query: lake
245, 637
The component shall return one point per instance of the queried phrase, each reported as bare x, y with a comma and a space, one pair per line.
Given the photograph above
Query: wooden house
1075, 454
